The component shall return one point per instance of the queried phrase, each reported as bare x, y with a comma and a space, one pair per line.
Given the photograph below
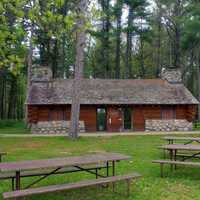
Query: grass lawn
13, 127
183, 184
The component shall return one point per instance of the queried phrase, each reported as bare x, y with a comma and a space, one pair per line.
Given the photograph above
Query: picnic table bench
173, 162
57, 165
189, 140
78, 185
174, 148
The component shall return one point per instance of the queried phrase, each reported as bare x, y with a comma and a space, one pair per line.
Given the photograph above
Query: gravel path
105, 134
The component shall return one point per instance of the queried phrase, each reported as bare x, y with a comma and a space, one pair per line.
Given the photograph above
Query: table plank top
2, 153
62, 162
182, 138
189, 147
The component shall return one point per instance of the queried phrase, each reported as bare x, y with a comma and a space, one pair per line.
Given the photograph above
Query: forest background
126, 39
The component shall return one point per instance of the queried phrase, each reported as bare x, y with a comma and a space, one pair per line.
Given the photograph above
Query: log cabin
114, 105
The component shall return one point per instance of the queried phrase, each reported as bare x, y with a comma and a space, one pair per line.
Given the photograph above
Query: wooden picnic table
189, 140
174, 148
58, 163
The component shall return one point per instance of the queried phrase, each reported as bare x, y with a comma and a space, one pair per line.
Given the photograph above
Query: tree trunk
177, 50
198, 68
54, 61
29, 65
79, 64
177, 47
2, 100
12, 99
118, 44
107, 42
128, 70
105, 5
5, 96
159, 24
142, 58
64, 66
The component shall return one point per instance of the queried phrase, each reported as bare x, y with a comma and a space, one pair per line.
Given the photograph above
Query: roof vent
171, 75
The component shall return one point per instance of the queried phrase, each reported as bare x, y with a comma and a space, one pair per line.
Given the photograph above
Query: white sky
125, 10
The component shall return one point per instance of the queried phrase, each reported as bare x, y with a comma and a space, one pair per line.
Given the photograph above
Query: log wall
32, 114
62, 112
88, 114
138, 119
181, 112
191, 113
141, 113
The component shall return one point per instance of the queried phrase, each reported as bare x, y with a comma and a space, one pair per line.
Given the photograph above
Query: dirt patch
28, 145
34, 145
97, 151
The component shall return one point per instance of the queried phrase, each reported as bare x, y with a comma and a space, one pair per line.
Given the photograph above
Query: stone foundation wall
168, 125
54, 127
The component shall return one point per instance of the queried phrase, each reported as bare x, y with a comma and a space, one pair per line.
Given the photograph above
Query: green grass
13, 127
196, 126
184, 184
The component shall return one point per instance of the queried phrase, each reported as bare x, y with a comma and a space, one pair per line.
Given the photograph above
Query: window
168, 113
57, 113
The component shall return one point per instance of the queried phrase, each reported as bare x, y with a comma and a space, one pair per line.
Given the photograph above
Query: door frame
123, 108
111, 128
101, 107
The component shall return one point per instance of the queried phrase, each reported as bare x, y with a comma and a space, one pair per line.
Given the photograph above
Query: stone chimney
41, 73
171, 75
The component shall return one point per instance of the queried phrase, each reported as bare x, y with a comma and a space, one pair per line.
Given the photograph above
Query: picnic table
188, 140
174, 148
58, 163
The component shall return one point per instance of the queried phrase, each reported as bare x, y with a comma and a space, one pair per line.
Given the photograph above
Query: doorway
127, 118
101, 119
114, 119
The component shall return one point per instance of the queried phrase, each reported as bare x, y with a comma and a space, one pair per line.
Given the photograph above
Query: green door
127, 118
101, 119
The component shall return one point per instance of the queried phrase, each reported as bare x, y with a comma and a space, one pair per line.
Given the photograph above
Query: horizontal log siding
186, 112
32, 114
88, 114
181, 112
43, 113
46, 113
191, 112
68, 113
138, 119
152, 112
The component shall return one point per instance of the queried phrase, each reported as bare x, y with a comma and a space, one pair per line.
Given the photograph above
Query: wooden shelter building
111, 105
